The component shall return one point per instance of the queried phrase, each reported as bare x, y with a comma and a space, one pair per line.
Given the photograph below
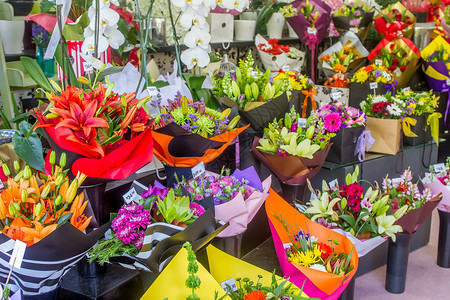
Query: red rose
355, 190
403, 68
395, 61
392, 68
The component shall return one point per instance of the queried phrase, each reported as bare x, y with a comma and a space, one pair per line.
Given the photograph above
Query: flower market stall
202, 149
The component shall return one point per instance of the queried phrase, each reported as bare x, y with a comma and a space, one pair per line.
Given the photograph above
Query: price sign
336, 96
87, 65
439, 168
130, 196
373, 85
301, 122
448, 82
333, 184
312, 31
354, 30
285, 68
198, 170
407, 89
152, 90
17, 254
229, 284
378, 62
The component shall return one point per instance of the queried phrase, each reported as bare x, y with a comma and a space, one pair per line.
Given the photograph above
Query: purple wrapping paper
435, 84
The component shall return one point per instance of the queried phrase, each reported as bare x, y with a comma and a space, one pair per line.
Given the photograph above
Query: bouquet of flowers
373, 73
259, 99
363, 217
237, 197
228, 278
422, 107
385, 107
143, 232
44, 212
438, 182
343, 57
303, 263
310, 19
291, 152
395, 20
400, 56
404, 192
98, 129
279, 58
354, 16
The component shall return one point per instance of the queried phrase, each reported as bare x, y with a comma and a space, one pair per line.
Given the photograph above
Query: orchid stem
175, 38
97, 27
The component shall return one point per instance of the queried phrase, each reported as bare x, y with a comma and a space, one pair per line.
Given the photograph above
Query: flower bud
233, 123
24, 196
310, 132
18, 176
84, 80
55, 86
71, 191
62, 160
400, 212
16, 166
52, 116
59, 180
11, 210
225, 113
184, 106
58, 200
6, 170
37, 210
27, 173
46, 191
16, 207
52, 158
343, 203
102, 68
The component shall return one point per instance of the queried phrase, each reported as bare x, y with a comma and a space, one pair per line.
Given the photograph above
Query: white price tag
254, 74
88, 66
229, 284
448, 82
439, 168
198, 170
373, 85
378, 62
17, 254
354, 30
152, 90
130, 196
333, 184
312, 31
396, 180
406, 89
286, 68
336, 96
301, 122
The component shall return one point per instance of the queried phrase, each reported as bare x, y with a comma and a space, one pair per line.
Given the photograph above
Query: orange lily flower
70, 95
78, 219
339, 68
34, 235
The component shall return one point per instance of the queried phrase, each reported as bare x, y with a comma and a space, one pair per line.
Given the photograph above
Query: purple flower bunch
221, 188
130, 224
159, 192
40, 35
336, 116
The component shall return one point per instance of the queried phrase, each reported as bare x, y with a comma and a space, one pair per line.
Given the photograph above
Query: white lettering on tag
354, 30
88, 66
406, 89
198, 170
336, 96
17, 254
373, 85
130, 196
286, 68
334, 184
152, 90
301, 122
312, 31
439, 168
378, 62
229, 284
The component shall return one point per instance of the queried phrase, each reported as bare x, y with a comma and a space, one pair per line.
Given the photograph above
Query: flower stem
175, 38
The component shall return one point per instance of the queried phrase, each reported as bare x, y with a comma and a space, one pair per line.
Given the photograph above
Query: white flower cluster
193, 19
108, 34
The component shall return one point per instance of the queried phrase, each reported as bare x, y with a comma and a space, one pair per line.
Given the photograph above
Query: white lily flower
195, 56
108, 17
191, 17
114, 36
198, 36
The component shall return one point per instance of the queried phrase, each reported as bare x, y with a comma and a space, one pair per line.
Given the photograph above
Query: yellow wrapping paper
408, 31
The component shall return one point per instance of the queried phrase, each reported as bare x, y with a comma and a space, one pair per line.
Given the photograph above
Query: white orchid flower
239, 5
211, 4
89, 43
184, 3
191, 17
198, 36
114, 36
108, 17
95, 62
195, 56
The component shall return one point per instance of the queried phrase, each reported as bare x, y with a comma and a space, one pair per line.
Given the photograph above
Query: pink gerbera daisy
332, 122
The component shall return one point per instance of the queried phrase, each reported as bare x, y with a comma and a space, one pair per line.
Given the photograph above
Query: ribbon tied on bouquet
365, 141
309, 94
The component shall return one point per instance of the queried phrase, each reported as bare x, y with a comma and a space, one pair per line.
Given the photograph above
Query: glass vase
48, 66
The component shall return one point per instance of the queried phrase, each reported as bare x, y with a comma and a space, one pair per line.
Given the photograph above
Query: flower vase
397, 263
90, 270
11, 33
293, 192
443, 254
244, 30
231, 244
48, 66
275, 26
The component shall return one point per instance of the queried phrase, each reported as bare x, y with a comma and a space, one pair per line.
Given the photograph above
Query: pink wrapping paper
436, 188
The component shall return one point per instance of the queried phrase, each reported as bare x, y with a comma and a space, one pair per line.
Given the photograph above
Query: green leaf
109, 71
20, 118
349, 219
5, 124
29, 149
36, 73
64, 219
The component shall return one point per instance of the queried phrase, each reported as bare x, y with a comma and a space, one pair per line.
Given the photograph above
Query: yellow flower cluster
307, 258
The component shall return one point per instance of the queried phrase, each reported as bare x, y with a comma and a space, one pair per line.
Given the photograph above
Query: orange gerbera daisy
326, 57
340, 68
255, 295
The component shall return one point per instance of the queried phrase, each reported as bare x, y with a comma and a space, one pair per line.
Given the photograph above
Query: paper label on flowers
17, 254
448, 82
198, 170
302, 122
373, 85
354, 30
229, 284
407, 89
312, 31
336, 96
285, 68
333, 184
378, 62
439, 168
87, 65
130, 196
152, 90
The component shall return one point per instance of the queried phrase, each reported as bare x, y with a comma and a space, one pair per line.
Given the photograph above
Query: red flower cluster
274, 48
353, 193
379, 107
326, 250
